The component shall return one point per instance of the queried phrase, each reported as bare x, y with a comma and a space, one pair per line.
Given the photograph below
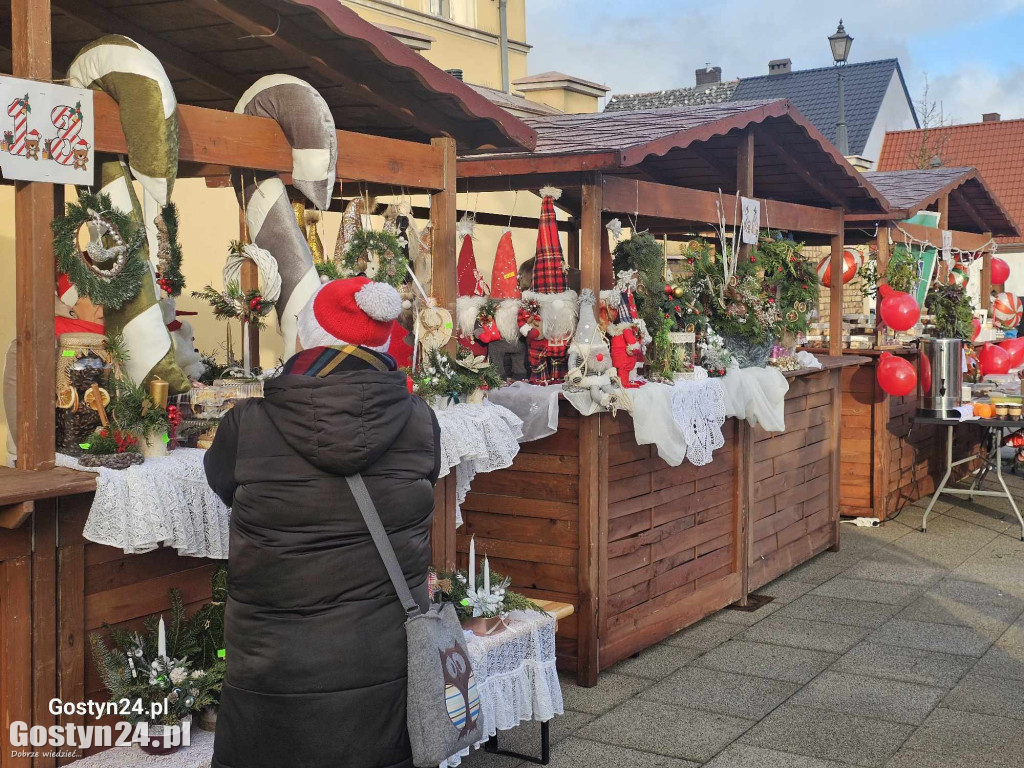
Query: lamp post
841, 43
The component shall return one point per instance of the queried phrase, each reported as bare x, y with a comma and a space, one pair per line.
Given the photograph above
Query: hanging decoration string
961, 256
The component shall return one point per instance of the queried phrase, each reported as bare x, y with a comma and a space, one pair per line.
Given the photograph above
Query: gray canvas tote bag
444, 713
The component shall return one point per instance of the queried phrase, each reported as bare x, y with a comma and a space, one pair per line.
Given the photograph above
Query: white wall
895, 114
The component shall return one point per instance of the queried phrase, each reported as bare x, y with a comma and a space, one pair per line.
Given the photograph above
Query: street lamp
841, 43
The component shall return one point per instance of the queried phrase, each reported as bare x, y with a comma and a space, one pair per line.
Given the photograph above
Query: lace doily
198, 754
515, 674
698, 408
479, 437
166, 500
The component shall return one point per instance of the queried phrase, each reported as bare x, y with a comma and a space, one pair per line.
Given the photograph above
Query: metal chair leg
491, 746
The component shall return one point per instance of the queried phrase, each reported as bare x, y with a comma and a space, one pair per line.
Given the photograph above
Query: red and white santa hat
66, 290
355, 310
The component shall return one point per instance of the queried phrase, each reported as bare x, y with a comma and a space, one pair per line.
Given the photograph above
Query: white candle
161, 640
472, 564
487, 576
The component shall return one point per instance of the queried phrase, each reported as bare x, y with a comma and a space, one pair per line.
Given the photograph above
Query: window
460, 11
442, 8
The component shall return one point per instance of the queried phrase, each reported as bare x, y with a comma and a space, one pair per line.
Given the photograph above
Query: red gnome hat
505, 289
472, 288
66, 290
550, 290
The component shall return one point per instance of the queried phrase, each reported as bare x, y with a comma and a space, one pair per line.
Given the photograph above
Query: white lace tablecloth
197, 755
515, 675
162, 501
481, 437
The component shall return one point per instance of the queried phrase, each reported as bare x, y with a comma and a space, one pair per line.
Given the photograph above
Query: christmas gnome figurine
548, 316
617, 320
471, 286
507, 353
590, 360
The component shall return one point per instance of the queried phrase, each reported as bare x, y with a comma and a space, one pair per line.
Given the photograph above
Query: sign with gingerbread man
47, 132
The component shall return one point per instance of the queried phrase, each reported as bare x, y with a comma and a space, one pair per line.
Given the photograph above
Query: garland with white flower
454, 379
498, 600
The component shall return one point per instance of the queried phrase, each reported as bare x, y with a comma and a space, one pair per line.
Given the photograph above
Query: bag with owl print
443, 713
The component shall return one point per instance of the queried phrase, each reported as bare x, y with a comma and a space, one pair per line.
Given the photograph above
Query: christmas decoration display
975, 328
507, 354
993, 359
951, 307
591, 360
958, 275
379, 254
1000, 271
1015, 347
111, 448
444, 380
896, 375
235, 304
619, 322
308, 126
483, 595
853, 260
471, 286
901, 273
83, 384
134, 78
714, 355
898, 310
1006, 311
547, 318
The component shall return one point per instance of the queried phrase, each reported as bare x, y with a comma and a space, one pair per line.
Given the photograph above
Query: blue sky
971, 52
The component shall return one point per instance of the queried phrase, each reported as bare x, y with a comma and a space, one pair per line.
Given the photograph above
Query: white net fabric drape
480, 437
166, 501
515, 674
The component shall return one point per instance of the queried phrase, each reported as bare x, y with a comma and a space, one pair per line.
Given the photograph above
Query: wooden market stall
586, 516
885, 463
401, 121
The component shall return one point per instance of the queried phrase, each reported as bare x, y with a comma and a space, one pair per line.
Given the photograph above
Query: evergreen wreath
235, 304
454, 379
169, 276
106, 284
452, 587
392, 265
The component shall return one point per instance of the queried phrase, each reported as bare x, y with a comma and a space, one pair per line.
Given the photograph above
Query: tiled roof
517, 105
915, 190
555, 77
713, 93
996, 149
815, 93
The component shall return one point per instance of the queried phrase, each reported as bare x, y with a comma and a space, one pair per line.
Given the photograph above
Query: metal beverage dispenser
939, 377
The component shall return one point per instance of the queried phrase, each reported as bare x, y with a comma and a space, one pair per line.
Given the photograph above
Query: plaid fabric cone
548, 272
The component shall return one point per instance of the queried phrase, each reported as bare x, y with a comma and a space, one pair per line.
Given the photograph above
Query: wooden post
35, 270
745, 176
943, 224
250, 281
572, 244
442, 216
986, 280
587, 659
882, 266
44, 619
835, 301
744, 437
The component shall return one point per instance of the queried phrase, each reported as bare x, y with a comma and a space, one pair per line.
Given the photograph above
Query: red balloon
1000, 272
993, 359
1016, 349
896, 376
977, 328
899, 310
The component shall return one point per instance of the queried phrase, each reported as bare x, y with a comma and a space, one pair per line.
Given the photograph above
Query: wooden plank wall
526, 519
671, 541
791, 514
857, 447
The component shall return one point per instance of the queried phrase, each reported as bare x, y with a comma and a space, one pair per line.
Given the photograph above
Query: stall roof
695, 147
973, 207
214, 50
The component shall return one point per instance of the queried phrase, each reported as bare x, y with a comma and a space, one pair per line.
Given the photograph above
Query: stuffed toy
590, 360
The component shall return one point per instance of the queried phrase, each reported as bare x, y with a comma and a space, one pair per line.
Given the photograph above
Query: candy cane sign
48, 132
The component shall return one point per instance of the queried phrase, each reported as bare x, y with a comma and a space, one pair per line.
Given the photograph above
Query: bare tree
933, 142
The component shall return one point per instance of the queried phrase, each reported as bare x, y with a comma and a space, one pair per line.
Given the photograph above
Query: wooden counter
642, 549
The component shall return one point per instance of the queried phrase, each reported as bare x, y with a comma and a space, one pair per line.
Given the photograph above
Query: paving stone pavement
902, 650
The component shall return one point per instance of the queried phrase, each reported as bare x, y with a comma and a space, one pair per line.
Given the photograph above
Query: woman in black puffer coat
316, 650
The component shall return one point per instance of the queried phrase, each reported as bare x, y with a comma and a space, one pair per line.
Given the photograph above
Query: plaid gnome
548, 317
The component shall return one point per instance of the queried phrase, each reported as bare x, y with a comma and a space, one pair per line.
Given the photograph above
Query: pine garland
114, 291
234, 304
441, 376
170, 277
392, 267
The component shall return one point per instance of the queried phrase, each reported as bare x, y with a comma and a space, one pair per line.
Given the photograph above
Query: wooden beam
589, 614
525, 165
250, 281
745, 185
970, 210
442, 216
835, 308
963, 241
187, 63
799, 169
986, 280
35, 269
624, 195
725, 174
943, 210
215, 137
285, 35
882, 267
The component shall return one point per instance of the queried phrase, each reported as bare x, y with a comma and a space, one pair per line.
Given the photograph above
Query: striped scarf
323, 361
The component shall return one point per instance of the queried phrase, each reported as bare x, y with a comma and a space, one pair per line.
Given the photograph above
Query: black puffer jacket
316, 649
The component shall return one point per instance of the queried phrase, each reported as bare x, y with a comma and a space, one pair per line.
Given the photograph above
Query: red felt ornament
1015, 348
899, 311
896, 376
993, 360
1000, 272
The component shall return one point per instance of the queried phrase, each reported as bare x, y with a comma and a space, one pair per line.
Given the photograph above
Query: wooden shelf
20, 488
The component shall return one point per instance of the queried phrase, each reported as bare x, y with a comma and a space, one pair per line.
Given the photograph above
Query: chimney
456, 73
709, 75
991, 117
780, 66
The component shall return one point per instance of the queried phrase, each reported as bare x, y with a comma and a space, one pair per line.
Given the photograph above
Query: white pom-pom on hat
380, 301
553, 192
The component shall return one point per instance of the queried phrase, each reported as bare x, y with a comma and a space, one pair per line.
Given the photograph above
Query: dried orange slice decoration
67, 398
98, 399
